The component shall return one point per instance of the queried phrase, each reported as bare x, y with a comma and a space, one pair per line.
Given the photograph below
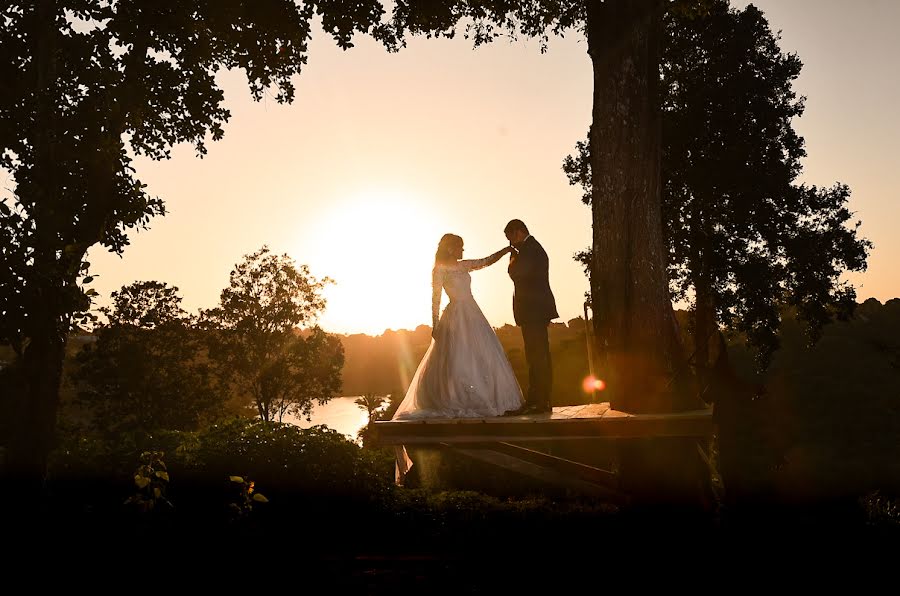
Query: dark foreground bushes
309, 478
328, 505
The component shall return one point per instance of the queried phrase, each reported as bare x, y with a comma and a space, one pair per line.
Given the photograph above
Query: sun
378, 247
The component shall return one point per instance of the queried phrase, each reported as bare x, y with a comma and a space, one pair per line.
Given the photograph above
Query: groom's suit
533, 309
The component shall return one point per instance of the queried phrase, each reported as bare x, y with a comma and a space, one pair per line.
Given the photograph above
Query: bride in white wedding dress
465, 372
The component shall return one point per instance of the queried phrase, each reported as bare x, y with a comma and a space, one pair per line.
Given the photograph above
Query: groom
533, 309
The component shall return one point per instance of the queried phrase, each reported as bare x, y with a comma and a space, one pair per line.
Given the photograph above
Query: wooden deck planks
564, 423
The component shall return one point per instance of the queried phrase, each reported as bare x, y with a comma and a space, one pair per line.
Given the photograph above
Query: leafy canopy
146, 369
256, 342
88, 84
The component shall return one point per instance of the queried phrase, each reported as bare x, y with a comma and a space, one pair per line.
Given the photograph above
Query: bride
465, 372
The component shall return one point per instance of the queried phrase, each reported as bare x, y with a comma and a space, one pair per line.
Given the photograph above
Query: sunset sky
380, 154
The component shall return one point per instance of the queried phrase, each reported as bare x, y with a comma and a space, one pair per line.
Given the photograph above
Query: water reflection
340, 414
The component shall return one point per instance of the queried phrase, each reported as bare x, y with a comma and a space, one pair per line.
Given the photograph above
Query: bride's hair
445, 249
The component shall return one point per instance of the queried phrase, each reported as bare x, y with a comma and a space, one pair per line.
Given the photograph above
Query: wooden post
589, 339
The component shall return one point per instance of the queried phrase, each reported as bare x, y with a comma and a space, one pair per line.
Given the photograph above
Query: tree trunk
263, 410
638, 344
34, 434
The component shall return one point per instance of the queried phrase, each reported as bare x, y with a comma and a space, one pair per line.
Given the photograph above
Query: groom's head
515, 231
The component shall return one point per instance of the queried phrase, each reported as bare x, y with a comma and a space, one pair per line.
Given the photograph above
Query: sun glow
378, 247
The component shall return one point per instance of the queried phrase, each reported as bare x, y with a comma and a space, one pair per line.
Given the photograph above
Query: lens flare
591, 384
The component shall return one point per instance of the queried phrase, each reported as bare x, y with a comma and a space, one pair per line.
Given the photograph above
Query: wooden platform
591, 421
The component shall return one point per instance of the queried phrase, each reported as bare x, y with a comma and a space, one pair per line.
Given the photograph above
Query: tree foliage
744, 238
371, 403
147, 369
125, 75
88, 85
484, 21
256, 343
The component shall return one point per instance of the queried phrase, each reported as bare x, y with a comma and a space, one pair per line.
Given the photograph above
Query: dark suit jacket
533, 302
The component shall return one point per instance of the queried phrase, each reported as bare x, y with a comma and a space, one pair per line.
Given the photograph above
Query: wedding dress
465, 372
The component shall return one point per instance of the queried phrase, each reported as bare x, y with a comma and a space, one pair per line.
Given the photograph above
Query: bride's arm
473, 264
437, 283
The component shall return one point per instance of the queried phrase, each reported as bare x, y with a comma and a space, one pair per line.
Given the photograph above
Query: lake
340, 414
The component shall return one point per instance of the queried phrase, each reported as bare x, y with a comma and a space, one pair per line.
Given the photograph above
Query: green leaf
87, 279
156, 492
260, 498
163, 475
236, 479
141, 481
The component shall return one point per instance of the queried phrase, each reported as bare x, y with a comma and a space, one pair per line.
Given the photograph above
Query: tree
256, 343
147, 368
371, 403
743, 239
374, 406
86, 84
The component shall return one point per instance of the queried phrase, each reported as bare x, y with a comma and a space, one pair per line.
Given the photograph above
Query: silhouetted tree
371, 403
86, 85
257, 346
147, 368
743, 239
374, 405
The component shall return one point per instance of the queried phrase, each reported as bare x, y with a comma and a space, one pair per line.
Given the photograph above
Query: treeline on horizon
384, 364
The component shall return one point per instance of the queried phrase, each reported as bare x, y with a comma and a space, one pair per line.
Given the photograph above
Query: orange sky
382, 153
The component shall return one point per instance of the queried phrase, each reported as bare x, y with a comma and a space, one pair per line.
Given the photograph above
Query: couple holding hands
465, 372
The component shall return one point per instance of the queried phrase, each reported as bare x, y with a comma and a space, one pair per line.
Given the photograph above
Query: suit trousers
540, 372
